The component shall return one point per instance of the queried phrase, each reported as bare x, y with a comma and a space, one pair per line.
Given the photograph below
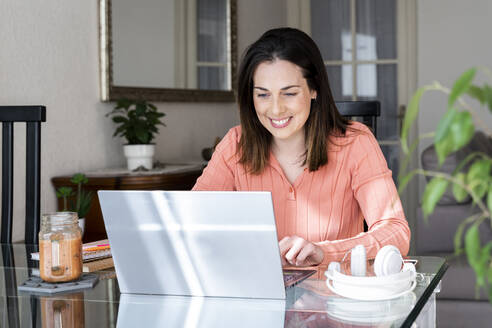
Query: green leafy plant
471, 177
64, 192
83, 198
136, 120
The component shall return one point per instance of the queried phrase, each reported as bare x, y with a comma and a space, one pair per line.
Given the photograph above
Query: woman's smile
282, 123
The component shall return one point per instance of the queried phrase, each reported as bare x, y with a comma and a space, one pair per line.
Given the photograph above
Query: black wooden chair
32, 116
368, 111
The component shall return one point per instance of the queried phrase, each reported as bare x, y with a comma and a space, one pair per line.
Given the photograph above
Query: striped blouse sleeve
378, 199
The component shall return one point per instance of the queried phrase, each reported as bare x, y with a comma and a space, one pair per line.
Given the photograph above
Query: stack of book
96, 256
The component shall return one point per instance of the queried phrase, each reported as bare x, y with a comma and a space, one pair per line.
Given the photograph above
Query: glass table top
308, 304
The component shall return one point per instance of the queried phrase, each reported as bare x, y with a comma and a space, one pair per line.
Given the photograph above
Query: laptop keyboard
292, 277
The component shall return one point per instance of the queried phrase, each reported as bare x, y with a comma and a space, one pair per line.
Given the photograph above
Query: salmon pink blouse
328, 206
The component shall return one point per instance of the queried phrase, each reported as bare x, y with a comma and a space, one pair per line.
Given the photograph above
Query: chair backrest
368, 110
32, 116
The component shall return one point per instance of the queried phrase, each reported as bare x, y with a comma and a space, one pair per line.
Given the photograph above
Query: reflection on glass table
185, 311
339, 311
308, 304
63, 310
374, 312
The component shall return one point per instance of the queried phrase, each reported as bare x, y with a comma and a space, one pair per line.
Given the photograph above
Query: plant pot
82, 225
139, 155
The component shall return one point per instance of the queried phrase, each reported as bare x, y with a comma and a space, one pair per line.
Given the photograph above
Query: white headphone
392, 279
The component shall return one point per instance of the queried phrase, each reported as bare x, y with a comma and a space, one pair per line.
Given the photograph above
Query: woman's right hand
300, 252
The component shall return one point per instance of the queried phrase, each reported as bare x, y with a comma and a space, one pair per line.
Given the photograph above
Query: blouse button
290, 189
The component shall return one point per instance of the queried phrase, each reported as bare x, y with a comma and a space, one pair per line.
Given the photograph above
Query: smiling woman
326, 174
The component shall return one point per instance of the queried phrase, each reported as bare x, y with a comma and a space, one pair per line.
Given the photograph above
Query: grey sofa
457, 305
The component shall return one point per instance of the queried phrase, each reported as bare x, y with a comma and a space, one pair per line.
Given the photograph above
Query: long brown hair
324, 119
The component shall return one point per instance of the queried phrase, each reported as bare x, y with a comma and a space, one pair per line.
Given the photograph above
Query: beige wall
49, 56
453, 36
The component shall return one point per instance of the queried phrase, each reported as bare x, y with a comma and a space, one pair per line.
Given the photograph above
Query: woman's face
282, 98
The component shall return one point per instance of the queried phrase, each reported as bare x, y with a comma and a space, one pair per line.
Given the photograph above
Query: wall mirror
168, 50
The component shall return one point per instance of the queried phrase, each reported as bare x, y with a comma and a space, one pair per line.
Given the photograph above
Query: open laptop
197, 243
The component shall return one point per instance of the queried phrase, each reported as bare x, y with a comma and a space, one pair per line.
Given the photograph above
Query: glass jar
60, 247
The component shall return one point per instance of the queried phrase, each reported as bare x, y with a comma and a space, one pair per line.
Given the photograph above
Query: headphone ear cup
388, 261
358, 261
334, 266
409, 267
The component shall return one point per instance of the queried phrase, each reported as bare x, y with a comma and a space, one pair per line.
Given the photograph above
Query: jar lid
59, 218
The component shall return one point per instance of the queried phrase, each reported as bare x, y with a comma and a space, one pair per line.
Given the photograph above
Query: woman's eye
291, 94
262, 95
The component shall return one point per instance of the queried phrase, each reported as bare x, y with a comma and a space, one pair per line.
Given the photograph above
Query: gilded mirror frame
111, 92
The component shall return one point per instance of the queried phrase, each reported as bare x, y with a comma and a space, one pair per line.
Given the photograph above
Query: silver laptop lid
196, 243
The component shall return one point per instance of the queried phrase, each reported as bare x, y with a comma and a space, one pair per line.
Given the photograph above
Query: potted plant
83, 198
472, 176
137, 122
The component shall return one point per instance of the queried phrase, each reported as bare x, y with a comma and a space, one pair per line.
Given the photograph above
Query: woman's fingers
305, 253
299, 252
297, 244
284, 245
311, 254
